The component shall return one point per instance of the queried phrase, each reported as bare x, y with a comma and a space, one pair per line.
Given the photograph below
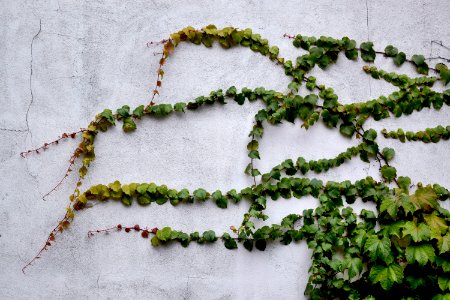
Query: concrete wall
91, 55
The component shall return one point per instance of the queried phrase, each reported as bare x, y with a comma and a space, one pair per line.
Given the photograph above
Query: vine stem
51, 238
55, 142
251, 162
145, 231
378, 52
159, 71
69, 169
379, 155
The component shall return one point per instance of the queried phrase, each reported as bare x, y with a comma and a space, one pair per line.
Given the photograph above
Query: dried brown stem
51, 237
55, 142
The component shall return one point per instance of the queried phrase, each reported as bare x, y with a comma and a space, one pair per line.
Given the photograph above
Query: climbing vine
401, 250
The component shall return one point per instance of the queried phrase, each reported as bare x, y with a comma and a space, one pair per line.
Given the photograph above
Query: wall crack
31, 78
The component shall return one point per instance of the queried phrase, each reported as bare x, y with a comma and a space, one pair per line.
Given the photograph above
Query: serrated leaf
229, 242
142, 188
425, 198
248, 244
219, 199
420, 253
253, 145
254, 154
164, 234
154, 241
124, 111
128, 124
107, 114
378, 249
444, 244
367, 52
138, 112
415, 282
444, 283
260, 245
209, 236
386, 275
444, 72
421, 65
179, 107
200, 194
392, 203
388, 173
399, 59
437, 224
388, 153
418, 233
404, 183
370, 135
390, 51
347, 129
443, 263
353, 265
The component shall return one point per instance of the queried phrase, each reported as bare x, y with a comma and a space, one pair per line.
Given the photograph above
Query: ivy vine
401, 250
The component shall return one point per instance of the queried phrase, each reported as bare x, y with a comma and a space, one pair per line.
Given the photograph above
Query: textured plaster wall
89, 55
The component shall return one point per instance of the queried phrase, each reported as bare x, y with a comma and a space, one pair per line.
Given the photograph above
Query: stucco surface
90, 55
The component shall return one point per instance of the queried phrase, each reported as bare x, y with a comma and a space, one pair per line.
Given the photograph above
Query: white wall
91, 55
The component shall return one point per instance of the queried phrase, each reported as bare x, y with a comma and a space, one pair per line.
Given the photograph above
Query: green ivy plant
401, 250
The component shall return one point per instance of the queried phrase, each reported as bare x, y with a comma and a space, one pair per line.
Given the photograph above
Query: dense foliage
401, 250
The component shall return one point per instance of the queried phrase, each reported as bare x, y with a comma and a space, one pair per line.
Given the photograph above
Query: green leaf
404, 183
209, 236
107, 114
164, 234
425, 198
253, 145
418, 233
388, 173
179, 107
126, 200
311, 99
260, 245
138, 112
248, 244
378, 249
142, 188
347, 129
444, 283
124, 111
420, 253
443, 263
444, 244
255, 172
416, 282
390, 51
437, 224
444, 72
128, 124
221, 201
399, 59
421, 65
354, 266
154, 241
229, 242
418, 59
388, 153
370, 135
200, 194
386, 275
367, 52
392, 203
254, 154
